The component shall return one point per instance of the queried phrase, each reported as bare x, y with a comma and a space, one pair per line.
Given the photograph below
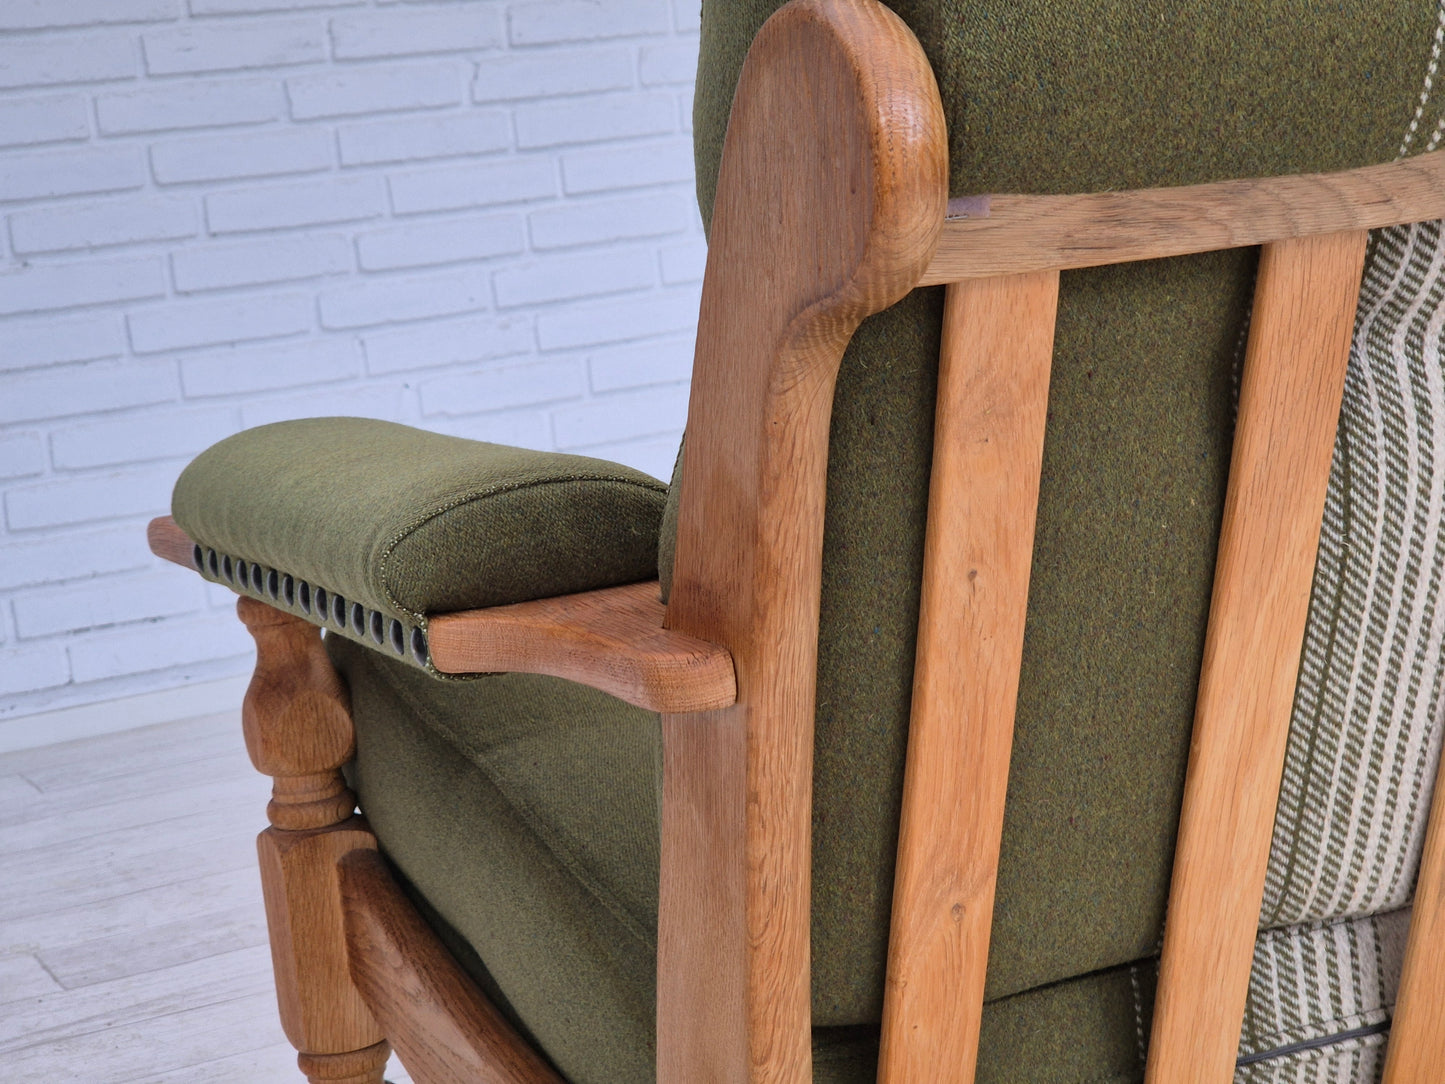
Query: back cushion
1044, 97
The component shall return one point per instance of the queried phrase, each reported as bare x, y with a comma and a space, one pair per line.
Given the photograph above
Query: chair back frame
737, 783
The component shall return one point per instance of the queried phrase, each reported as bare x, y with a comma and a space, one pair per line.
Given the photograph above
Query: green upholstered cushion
1044, 96
523, 811
368, 526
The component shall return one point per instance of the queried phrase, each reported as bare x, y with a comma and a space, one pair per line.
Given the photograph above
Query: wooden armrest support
610, 639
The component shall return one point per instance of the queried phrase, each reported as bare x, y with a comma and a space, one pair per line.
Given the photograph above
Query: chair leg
298, 728
356, 1067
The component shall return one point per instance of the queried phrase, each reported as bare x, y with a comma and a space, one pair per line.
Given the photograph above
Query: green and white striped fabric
1319, 1000
1365, 737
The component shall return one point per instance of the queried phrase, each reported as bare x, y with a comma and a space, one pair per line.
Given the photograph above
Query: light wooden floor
132, 939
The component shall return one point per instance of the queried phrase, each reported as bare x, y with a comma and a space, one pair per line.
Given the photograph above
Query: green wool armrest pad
366, 527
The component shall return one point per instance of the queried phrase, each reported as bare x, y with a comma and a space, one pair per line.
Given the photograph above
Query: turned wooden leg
298, 728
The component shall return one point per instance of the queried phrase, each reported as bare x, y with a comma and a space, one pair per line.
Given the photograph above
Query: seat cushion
367, 526
523, 811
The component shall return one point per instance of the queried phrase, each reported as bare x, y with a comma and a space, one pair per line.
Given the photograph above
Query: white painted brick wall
475, 216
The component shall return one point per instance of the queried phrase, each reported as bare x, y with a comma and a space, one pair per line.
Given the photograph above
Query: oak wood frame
830, 207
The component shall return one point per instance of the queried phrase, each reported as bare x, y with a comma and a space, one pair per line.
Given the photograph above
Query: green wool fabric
523, 813
525, 810
393, 523
1042, 97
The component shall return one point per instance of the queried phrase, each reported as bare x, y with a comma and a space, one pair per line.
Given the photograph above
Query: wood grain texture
321, 1011
830, 197
296, 717
353, 1067
1288, 409
443, 1027
993, 390
1416, 1051
167, 540
297, 723
610, 639
1008, 234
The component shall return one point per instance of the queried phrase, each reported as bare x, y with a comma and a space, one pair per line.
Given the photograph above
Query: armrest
611, 639
368, 527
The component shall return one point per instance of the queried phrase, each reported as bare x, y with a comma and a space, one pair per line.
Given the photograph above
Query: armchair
1055, 568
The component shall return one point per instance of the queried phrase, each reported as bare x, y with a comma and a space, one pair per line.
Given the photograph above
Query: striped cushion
1319, 1001
1364, 739
1365, 736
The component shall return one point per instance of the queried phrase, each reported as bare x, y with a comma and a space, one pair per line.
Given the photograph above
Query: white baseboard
127, 713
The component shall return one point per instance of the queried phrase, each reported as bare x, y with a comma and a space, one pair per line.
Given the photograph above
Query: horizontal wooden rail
611, 639
1001, 235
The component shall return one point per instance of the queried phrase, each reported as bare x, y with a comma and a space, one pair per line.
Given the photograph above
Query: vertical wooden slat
1288, 411
1416, 1054
993, 386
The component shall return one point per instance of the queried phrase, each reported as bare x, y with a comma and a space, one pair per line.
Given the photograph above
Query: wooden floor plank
16, 795
144, 785
22, 978
62, 1015
169, 756
110, 755
396, 1072
118, 863
161, 813
242, 926
276, 1062
148, 1048
128, 915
